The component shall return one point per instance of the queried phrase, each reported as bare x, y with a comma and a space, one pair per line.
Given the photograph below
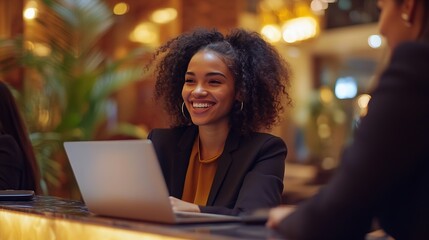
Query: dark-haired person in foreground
18, 167
384, 173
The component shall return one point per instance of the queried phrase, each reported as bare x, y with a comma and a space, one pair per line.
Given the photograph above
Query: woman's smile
201, 105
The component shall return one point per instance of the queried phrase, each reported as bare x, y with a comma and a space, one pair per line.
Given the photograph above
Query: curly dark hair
261, 75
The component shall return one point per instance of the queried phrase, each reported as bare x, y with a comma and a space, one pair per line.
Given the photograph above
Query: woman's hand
182, 206
277, 214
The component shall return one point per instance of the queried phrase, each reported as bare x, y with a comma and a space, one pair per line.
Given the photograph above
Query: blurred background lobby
78, 71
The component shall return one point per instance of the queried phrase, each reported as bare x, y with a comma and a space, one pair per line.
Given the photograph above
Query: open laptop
123, 179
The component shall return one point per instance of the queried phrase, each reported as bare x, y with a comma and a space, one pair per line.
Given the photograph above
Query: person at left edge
18, 165
222, 92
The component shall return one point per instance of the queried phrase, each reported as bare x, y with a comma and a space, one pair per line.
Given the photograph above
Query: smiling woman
222, 92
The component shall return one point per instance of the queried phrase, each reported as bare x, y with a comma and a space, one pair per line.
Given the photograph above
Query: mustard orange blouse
199, 177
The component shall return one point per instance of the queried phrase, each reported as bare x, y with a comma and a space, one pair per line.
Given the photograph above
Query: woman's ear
408, 11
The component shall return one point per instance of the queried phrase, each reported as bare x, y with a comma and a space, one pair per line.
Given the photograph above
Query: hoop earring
241, 106
406, 19
183, 110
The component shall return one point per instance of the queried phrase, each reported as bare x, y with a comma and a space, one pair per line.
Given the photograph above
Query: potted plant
69, 79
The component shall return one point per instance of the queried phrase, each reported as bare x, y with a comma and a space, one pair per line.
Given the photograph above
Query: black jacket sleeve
10, 163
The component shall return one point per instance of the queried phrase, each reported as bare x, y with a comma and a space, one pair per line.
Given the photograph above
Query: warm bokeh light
272, 33
299, 29
39, 49
164, 15
318, 6
30, 11
374, 41
326, 95
362, 102
146, 33
121, 8
324, 131
323, 128
294, 20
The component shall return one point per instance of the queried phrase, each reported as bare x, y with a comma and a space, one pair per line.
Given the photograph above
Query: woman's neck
212, 140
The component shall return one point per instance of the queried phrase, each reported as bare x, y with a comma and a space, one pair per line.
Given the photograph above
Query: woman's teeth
201, 105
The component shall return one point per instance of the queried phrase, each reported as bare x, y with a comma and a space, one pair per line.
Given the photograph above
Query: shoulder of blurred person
11, 163
408, 68
20, 154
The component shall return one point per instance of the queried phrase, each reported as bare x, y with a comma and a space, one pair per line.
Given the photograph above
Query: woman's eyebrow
208, 74
215, 74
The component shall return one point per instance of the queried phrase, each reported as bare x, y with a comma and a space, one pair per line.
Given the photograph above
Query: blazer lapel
224, 162
180, 165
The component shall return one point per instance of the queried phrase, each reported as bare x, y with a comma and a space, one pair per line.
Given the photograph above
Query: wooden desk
48, 218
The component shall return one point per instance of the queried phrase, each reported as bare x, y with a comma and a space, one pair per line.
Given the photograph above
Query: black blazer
384, 173
249, 175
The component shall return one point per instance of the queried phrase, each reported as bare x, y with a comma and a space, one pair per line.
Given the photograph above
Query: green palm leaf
75, 79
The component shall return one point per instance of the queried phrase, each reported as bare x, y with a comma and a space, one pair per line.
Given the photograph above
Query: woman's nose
199, 91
